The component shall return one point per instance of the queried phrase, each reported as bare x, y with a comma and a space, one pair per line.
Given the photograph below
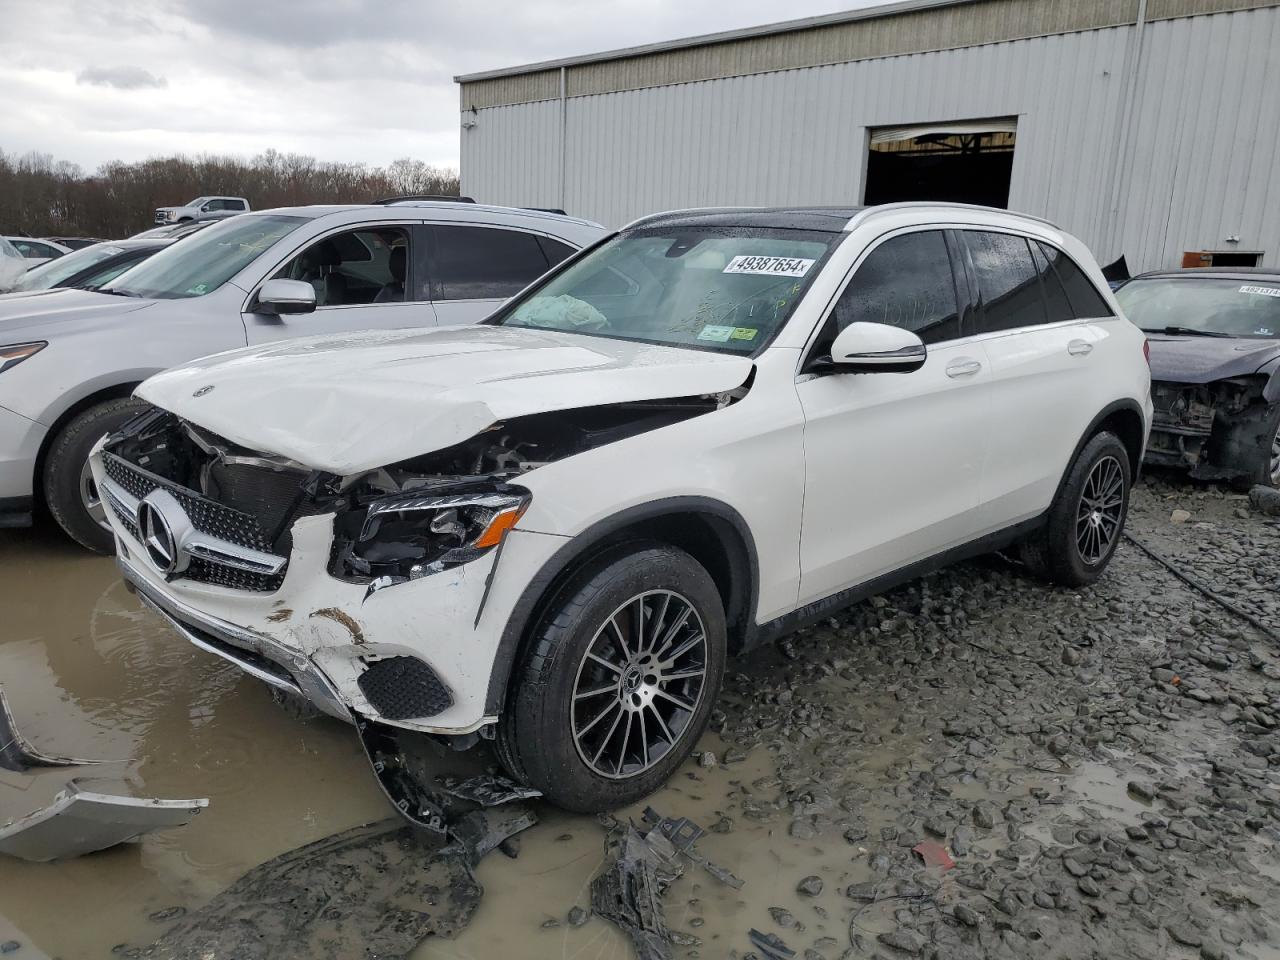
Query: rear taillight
1146, 351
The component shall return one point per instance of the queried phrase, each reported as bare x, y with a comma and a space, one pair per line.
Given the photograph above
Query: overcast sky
362, 80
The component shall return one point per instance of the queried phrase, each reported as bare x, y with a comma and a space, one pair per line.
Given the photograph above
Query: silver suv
70, 359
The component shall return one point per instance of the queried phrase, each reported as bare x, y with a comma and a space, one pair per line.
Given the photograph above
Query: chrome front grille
222, 526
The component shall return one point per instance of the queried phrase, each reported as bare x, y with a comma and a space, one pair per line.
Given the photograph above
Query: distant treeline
40, 196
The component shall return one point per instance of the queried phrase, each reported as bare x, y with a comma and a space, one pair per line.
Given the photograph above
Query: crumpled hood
44, 312
1180, 359
353, 402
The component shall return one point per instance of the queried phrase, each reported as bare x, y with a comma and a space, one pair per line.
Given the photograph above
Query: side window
355, 268
1056, 305
905, 282
238, 205
483, 263
555, 251
1007, 281
1085, 300
31, 251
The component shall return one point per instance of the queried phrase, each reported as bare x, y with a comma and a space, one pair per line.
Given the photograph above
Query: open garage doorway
967, 161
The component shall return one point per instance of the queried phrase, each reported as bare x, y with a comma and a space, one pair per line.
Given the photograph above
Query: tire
554, 741
66, 459
1056, 552
1266, 469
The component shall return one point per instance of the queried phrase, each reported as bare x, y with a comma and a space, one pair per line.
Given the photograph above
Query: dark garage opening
968, 161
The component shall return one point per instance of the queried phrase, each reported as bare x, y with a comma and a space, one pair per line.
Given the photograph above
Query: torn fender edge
79, 821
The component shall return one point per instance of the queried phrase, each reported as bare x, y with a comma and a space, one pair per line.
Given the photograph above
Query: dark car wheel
618, 681
1266, 466
69, 490
1087, 516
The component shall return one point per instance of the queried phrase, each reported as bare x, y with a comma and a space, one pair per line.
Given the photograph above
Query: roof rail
869, 212
425, 196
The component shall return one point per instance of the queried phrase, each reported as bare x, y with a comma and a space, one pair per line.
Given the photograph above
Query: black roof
779, 218
1216, 273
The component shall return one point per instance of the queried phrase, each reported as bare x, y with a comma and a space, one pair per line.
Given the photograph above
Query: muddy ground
1102, 767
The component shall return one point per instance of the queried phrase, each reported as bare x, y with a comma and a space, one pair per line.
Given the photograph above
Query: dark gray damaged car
1215, 370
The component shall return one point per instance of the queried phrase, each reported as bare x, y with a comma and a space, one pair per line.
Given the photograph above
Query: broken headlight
405, 537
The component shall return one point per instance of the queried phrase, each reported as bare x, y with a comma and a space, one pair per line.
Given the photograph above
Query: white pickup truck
203, 208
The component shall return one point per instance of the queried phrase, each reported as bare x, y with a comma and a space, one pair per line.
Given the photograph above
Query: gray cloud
348, 80
122, 78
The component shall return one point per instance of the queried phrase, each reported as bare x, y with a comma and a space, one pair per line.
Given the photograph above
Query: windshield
52, 274
728, 289
1210, 305
7, 249
202, 263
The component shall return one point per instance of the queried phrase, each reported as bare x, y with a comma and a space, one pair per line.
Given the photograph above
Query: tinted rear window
483, 263
1007, 280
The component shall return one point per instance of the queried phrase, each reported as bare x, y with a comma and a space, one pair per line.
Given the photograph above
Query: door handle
1079, 348
963, 367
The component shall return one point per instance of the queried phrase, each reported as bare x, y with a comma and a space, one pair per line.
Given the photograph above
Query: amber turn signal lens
499, 526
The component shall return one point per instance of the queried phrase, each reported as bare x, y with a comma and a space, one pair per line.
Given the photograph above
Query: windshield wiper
116, 293
1187, 331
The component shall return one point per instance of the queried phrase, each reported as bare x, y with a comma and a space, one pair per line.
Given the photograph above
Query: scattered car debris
629, 893
481, 831
490, 791
683, 834
393, 767
80, 821
376, 890
933, 854
770, 944
18, 754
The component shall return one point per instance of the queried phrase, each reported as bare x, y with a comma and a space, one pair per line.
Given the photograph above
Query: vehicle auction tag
1261, 291
717, 333
770, 266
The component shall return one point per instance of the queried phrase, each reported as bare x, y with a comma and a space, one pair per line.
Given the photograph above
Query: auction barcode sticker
770, 266
1263, 291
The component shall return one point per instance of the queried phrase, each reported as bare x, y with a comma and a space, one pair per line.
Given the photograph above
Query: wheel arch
709, 530
1125, 419
118, 391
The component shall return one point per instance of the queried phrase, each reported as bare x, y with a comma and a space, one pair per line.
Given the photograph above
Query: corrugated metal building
1150, 128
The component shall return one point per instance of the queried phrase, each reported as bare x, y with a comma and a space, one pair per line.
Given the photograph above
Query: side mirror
280, 297
877, 348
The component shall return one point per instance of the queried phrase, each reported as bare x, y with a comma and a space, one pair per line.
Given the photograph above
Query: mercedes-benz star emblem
203, 390
157, 537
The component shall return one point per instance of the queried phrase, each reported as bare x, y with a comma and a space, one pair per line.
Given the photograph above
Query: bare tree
41, 196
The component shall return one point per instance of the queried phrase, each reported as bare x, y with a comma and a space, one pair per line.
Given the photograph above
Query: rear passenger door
893, 461
1039, 317
472, 269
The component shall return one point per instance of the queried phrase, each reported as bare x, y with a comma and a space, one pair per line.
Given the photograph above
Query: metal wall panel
1198, 163
1204, 157
512, 155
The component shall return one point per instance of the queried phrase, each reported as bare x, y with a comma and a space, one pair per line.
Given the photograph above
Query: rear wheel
1087, 516
69, 490
619, 681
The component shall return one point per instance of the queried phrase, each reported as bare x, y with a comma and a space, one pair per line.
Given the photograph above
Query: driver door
893, 461
363, 278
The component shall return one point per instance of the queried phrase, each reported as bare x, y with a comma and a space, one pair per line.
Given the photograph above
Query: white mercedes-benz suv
707, 430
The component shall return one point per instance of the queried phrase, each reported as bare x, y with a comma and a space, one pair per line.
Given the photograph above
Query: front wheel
619, 680
69, 490
1086, 518
1265, 466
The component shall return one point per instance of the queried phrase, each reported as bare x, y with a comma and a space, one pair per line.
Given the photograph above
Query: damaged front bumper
1217, 431
417, 655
